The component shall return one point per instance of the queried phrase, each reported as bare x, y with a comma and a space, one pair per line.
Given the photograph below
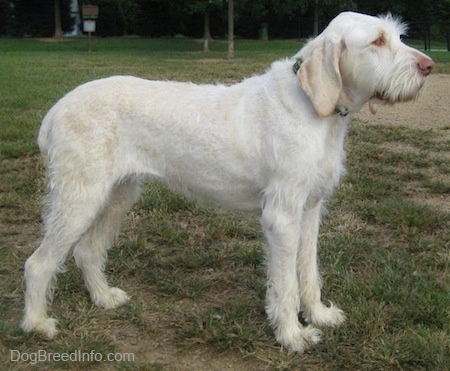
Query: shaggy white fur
272, 142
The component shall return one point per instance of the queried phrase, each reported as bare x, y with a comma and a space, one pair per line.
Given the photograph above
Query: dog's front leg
309, 276
282, 230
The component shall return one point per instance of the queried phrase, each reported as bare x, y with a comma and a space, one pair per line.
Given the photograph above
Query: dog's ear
320, 77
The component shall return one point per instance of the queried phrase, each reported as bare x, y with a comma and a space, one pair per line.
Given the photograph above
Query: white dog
272, 142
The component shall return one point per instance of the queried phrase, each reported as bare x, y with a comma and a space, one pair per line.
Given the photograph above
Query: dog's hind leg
90, 253
40, 270
72, 206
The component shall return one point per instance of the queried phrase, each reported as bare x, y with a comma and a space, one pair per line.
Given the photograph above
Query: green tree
339, 5
37, 17
204, 7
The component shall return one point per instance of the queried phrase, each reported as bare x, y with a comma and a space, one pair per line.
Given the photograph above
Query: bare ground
430, 112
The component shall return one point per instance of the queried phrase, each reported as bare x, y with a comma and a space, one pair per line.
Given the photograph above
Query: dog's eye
381, 41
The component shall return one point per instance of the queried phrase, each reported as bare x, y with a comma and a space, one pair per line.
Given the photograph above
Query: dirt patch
430, 111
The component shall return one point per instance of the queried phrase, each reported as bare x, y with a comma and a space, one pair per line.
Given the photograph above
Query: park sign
89, 14
89, 25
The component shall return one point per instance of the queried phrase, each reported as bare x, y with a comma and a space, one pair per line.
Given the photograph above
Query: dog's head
357, 59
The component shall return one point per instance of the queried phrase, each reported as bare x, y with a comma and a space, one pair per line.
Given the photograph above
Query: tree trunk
58, 25
206, 30
230, 53
316, 18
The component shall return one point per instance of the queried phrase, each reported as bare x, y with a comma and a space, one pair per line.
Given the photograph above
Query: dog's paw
323, 316
111, 298
297, 338
45, 326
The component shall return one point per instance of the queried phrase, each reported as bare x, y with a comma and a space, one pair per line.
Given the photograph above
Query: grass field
196, 275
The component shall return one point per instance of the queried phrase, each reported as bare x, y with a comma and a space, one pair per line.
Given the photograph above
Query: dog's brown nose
425, 65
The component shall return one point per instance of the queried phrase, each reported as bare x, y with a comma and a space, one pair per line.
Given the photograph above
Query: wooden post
90, 14
89, 41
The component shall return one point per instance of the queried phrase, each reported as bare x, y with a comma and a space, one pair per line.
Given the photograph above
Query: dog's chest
328, 167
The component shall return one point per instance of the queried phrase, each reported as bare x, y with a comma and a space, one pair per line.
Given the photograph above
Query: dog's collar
339, 110
297, 65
